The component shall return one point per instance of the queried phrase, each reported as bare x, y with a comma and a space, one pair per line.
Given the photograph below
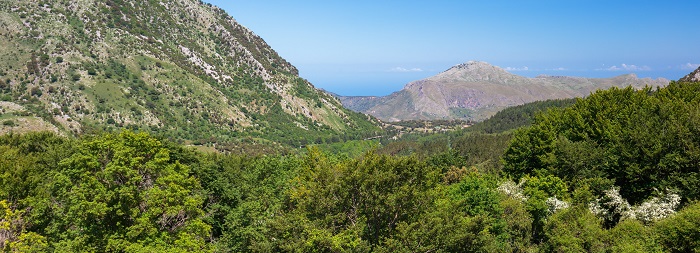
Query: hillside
692, 77
181, 69
518, 116
477, 90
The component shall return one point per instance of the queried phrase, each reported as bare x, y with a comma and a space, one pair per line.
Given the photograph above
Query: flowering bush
657, 208
555, 204
513, 190
612, 207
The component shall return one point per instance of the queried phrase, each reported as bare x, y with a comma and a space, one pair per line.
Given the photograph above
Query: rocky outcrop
692, 77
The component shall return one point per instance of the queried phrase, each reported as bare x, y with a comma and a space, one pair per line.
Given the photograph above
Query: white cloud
690, 66
524, 68
627, 67
558, 69
400, 69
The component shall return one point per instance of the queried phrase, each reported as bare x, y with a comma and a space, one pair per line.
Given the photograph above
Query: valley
168, 126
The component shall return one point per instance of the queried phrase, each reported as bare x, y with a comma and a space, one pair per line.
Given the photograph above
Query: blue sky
375, 47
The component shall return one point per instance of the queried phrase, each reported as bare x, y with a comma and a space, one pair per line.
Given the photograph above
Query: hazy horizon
375, 48
382, 83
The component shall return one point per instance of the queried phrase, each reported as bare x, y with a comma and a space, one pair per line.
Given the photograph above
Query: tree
642, 140
544, 195
122, 192
245, 196
632, 236
373, 193
13, 236
681, 232
575, 230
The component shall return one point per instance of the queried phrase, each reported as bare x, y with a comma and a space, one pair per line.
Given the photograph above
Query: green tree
15, 237
245, 195
121, 192
541, 192
373, 193
26, 160
447, 228
468, 216
574, 230
641, 139
680, 232
632, 236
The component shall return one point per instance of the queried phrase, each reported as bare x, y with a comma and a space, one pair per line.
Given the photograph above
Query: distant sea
383, 83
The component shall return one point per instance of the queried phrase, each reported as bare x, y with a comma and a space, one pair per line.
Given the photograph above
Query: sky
375, 47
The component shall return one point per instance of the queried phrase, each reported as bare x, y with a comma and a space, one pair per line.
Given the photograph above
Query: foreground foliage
131, 192
640, 141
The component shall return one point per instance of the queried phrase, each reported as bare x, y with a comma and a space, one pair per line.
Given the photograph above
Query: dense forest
614, 172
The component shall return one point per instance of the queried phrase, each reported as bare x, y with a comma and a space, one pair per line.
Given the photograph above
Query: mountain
477, 90
182, 69
692, 77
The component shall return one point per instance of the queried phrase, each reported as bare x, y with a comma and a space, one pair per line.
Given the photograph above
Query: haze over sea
376, 47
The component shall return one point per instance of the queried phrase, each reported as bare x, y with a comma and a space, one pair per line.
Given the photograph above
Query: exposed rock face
477, 90
692, 77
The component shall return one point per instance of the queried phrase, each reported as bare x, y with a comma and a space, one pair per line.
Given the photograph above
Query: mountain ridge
476, 90
183, 69
692, 76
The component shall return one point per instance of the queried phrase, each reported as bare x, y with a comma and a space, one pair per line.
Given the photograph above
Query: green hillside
518, 116
181, 69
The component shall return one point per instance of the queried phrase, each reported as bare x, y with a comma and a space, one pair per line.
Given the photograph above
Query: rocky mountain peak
476, 71
473, 66
692, 77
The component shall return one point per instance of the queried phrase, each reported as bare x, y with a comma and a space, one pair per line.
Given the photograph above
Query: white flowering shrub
513, 190
555, 205
516, 191
657, 208
613, 207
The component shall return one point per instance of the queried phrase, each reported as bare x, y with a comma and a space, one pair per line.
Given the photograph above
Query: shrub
36, 92
681, 232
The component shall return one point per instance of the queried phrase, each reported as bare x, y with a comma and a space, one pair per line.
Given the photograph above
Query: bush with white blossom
613, 207
515, 191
